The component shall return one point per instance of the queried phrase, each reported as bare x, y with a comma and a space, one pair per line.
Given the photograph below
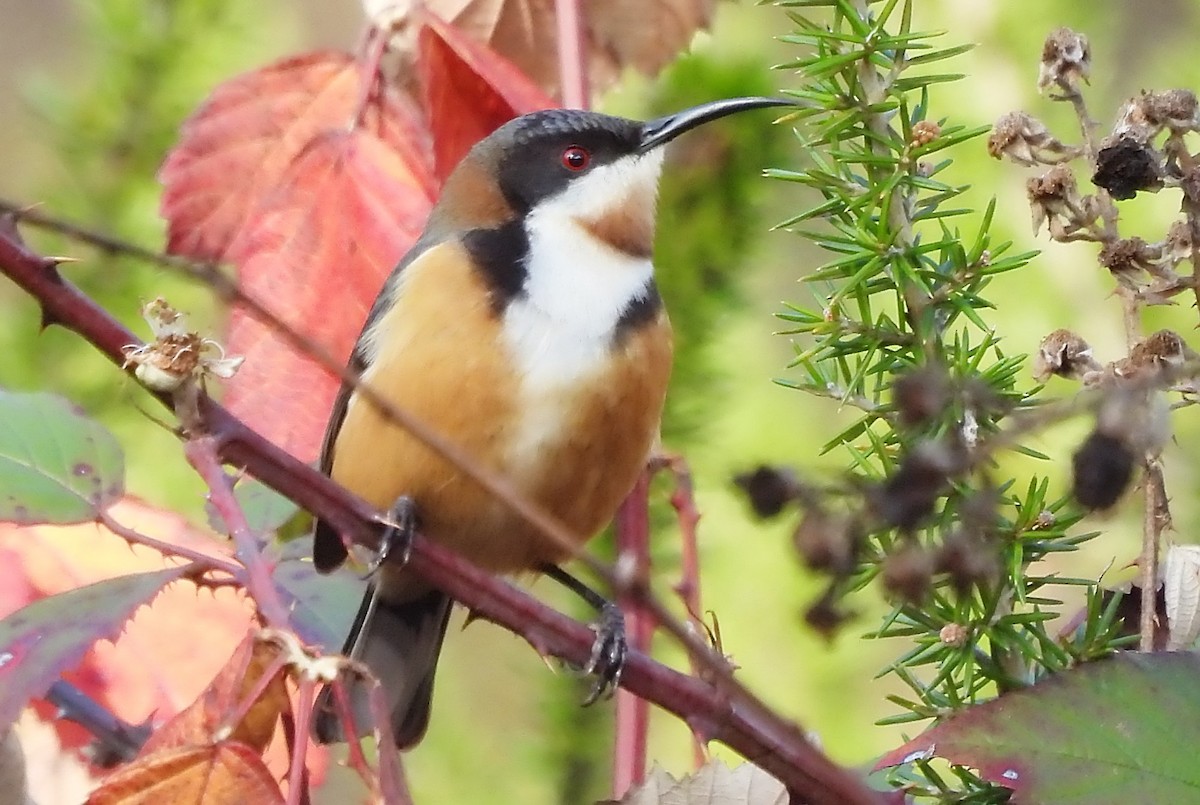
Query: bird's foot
397, 537
608, 653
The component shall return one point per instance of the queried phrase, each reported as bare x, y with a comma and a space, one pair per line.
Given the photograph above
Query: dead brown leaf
714, 784
642, 34
197, 724
227, 772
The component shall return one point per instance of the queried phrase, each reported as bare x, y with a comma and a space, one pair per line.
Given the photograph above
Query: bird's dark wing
328, 549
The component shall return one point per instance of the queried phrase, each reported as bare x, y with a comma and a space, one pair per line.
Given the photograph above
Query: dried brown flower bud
1065, 354
1045, 519
768, 489
1174, 108
1124, 166
1025, 140
908, 573
1164, 348
909, 495
177, 355
1103, 467
1143, 117
1054, 198
920, 395
824, 616
967, 559
924, 132
1179, 243
1128, 258
954, 634
1189, 183
1066, 61
826, 542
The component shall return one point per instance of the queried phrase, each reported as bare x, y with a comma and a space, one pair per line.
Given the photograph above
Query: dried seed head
1133, 123
826, 542
1179, 243
979, 511
967, 559
824, 616
1129, 257
908, 573
909, 495
177, 355
1143, 117
769, 489
1174, 108
1189, 183
1160, 350
1025, 140
1066, 61
1124, 166
920, 395
954, 634
924, 132
1103, 467
1054, 198
1045, 519
976, 393
1065, 354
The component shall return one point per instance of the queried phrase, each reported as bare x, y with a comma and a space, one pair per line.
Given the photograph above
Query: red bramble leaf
51, 635
227, 772
317, 254
314, 199
233, 152
470, 91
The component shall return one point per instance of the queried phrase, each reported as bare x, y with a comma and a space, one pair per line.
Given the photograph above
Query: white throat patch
560, 329
577, 286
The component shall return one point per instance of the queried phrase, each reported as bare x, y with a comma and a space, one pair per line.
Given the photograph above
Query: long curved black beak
664, 129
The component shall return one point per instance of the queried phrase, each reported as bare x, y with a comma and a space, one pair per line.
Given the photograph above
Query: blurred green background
91, 94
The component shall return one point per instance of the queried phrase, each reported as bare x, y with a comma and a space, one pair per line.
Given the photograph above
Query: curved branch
740, 721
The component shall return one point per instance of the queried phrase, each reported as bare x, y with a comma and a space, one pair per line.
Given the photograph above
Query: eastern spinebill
525, 325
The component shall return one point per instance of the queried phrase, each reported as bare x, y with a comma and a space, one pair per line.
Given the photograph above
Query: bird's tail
400, 643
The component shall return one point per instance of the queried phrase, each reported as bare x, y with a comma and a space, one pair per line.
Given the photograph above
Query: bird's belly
573, 442
575, 451
576, 455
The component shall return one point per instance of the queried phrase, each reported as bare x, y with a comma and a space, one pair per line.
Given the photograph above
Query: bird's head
598, 170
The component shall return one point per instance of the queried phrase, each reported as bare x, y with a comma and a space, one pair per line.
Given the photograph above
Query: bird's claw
397, 537
608, 653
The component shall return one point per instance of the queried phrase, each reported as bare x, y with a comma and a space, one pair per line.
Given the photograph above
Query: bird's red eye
576, 158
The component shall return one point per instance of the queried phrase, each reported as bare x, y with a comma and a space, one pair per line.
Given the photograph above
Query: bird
525, 325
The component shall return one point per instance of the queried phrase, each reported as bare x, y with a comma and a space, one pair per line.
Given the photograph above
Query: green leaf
40, 641
322, 606
56, 465
1114, 731
266, 510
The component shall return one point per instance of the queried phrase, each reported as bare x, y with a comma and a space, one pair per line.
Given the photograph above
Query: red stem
169, 549
201, 453
393, 785
743, 722
297, 749
572, 55
683, 500
345, 712
632, 526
